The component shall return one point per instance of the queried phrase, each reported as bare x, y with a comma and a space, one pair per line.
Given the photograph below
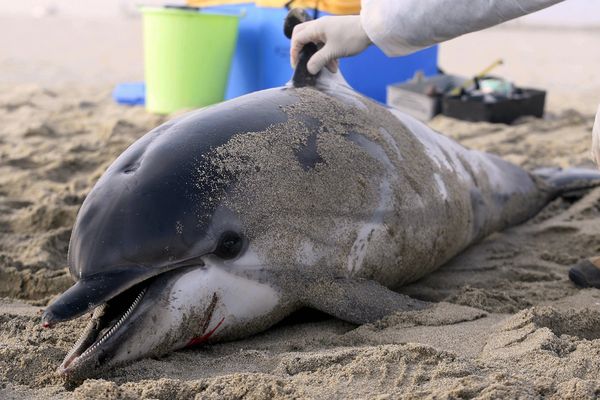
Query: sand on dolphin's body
508, 322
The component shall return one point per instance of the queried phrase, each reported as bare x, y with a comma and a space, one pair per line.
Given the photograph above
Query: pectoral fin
358, 301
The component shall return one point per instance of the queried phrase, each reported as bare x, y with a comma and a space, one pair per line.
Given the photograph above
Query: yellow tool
456, 90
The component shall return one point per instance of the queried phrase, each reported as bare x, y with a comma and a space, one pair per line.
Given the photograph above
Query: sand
507, 324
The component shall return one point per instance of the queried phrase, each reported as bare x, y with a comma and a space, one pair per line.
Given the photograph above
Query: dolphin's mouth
105, 322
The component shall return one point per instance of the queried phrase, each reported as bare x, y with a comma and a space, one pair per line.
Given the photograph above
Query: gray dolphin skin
218, 224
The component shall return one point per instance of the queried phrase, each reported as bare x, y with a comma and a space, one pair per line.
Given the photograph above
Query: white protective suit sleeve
400, 27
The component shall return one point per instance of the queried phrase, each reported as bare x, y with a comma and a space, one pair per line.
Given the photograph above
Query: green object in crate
187, 56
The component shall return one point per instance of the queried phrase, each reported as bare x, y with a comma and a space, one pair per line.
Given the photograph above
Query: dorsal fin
301, 76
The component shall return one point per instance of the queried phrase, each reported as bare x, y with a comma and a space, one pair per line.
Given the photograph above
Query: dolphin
218, 224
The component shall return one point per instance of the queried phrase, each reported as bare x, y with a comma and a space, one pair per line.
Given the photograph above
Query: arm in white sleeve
400, 27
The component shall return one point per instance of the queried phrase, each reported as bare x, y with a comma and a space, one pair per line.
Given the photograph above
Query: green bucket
187, 55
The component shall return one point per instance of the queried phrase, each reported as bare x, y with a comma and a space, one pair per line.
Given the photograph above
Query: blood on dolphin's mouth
104, 323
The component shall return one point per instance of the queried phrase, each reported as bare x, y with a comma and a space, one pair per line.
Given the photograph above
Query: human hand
340, 36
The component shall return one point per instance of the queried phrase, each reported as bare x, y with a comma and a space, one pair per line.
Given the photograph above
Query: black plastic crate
504, 110
421, 97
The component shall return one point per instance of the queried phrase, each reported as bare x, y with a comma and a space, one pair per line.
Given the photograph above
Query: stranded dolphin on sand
218, 224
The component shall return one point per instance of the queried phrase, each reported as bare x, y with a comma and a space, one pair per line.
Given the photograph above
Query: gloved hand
596, 139
341, 36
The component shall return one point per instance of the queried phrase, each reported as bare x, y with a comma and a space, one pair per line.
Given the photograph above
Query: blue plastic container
130, 93
261, 58
372, 71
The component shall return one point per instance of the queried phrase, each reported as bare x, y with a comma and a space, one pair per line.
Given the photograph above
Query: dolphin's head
161, 258
187, 306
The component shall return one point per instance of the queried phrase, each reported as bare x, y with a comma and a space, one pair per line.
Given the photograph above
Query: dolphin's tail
569, 181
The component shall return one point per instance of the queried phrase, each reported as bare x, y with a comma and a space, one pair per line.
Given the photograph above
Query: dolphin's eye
230, 245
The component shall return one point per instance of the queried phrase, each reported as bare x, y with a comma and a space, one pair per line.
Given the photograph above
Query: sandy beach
507, 321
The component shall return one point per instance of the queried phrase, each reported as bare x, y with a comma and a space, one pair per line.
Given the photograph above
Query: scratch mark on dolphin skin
441, 186
206, 322
364, 234
391, 142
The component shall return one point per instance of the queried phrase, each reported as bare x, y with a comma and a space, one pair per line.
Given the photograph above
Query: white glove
596, 139
340, 36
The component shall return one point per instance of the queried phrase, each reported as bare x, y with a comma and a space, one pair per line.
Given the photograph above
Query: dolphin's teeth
116, 326
90, 325
99, 311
